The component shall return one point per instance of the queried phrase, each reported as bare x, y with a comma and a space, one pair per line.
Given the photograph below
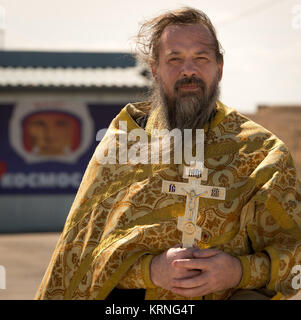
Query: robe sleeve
256, 271
275, 229
138, 277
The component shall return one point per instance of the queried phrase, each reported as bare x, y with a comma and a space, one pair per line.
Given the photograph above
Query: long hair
148, 38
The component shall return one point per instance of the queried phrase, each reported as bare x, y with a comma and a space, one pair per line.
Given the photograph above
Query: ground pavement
25, 258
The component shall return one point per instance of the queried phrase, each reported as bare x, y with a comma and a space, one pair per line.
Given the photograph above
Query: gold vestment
120, 215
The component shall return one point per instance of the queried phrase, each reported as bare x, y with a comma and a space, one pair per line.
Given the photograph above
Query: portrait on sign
50, 130
51, 133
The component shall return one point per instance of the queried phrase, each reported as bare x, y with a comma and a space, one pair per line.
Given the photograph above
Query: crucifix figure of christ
193, 190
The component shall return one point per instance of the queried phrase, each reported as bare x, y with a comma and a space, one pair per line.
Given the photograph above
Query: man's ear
154, 70
220, 67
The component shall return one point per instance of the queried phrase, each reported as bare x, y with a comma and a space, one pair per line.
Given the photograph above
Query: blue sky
261, 38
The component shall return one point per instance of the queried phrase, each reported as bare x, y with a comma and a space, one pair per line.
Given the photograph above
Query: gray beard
186, 112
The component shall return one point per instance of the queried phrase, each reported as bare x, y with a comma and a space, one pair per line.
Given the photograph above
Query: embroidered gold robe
120, 215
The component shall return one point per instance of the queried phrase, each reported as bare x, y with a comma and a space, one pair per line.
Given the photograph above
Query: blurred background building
52, 104
285, 122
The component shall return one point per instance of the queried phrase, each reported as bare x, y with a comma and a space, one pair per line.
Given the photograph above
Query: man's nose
188, 69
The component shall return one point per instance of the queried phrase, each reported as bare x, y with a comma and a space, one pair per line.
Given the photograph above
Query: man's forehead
191, 32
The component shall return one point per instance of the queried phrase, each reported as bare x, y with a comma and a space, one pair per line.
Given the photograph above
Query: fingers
205, 253
177, 252
199, 264
181, 273
192, 282
193, 292
192, 287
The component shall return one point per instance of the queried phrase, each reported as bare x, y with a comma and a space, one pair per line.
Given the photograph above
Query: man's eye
201, 58
174, 59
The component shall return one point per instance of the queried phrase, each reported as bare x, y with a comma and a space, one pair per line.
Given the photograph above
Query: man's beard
189, 110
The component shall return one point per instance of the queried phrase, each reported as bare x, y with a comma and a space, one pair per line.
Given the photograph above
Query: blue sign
46, 145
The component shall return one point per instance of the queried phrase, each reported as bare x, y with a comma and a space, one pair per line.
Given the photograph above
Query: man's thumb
205, 253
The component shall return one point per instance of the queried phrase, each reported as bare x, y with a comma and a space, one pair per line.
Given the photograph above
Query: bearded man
121, 234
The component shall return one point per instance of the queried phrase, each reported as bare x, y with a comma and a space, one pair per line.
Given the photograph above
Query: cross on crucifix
192, 190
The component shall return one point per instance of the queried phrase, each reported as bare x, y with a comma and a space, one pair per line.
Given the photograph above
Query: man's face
187, 72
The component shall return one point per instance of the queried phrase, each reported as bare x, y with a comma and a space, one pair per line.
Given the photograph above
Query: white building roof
72, 77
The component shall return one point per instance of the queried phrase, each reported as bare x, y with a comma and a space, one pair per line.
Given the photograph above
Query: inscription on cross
193, 190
